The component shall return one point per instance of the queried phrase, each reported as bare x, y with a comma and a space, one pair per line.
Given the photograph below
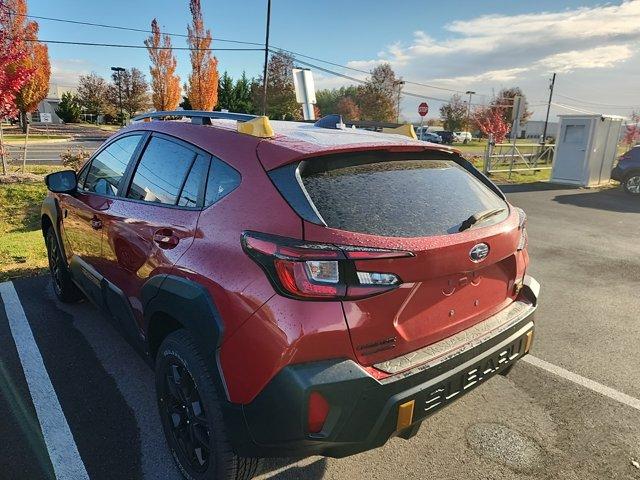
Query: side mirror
62, 182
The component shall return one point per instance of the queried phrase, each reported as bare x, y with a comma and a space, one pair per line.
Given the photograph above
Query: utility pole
119, 71
469, 92
266, 60
546, 120
399, 84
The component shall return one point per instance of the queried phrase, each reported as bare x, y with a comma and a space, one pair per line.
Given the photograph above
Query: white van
463, 137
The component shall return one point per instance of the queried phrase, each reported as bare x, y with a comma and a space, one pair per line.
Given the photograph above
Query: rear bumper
364, 411
617, 173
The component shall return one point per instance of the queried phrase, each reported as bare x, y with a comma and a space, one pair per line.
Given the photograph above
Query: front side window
162, 172
106, 171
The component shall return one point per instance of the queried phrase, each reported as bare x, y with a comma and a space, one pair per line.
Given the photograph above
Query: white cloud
600, 57
65, 71
496, 76
489, 51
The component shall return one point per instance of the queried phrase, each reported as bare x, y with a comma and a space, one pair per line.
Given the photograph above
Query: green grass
33, 138
516, 177
22, 250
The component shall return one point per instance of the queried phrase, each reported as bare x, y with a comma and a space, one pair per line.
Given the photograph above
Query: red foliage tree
12, 53
348, 109
490, 121
36, 59
632, 130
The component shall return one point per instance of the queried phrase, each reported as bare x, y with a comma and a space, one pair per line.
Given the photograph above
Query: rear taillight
316, 271
522, 227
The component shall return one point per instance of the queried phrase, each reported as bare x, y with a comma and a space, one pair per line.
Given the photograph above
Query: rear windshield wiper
478, 217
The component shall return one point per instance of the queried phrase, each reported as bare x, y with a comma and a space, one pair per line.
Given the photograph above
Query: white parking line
583, 381
62, 448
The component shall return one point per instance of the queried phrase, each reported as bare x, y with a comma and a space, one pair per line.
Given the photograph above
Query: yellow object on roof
258, 127
406, 130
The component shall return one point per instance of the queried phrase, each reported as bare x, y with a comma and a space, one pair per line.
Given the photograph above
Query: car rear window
397, 198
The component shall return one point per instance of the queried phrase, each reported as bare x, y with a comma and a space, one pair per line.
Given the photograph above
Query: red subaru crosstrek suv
299, 289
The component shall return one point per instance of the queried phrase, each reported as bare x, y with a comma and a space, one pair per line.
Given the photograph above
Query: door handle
96, 223
165, 238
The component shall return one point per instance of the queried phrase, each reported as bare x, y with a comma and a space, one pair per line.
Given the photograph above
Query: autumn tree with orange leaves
36, 59
12, 77
202, 88
165, 84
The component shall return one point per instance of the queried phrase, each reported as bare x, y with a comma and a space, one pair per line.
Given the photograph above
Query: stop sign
423, 109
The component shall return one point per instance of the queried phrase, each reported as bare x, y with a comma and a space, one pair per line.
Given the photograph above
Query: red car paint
443, 291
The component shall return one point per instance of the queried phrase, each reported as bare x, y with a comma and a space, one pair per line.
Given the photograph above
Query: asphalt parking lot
570, 412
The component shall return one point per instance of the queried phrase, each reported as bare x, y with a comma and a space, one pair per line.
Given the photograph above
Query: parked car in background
627, 171
430, 137
462, 137
298, 289
446, 135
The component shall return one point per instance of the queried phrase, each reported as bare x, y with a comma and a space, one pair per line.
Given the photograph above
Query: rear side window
162, 171
397, 198
106, 171
191, 191
222, 180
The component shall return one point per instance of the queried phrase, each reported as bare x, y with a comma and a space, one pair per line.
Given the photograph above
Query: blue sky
461, 45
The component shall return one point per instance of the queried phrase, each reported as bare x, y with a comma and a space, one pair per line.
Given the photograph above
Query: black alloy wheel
185, 414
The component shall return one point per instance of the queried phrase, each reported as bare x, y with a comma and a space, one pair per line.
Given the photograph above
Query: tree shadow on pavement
293, 469
613, 200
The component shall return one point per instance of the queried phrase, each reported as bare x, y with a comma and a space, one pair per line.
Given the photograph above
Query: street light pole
119, 71
266, 60
469, 92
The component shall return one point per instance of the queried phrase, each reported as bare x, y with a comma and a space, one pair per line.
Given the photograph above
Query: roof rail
199, 117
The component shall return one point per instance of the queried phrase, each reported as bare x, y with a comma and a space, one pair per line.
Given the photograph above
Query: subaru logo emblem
479, 252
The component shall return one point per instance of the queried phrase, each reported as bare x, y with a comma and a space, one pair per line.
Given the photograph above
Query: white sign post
305, 91
46, 118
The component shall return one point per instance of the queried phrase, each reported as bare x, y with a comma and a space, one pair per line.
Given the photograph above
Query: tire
631, 183
191, 414
63, 286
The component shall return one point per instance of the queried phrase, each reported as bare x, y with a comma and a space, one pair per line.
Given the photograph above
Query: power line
575, 109
358, 80
594, 103
117, 45
297, 54
128, 29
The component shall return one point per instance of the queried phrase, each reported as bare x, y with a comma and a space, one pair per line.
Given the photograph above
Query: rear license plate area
431, 399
